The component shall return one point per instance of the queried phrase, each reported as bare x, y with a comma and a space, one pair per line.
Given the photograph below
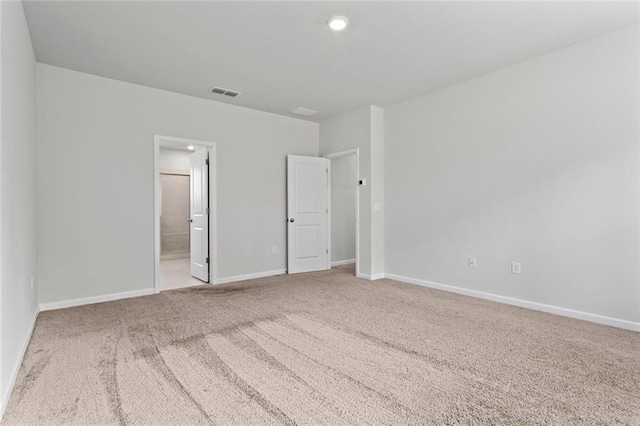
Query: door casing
340, 154
213, 205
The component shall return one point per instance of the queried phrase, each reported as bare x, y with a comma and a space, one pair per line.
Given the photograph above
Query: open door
199, 221
307, 214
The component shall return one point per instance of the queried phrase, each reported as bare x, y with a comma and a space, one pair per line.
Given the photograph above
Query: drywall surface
343, 208
377, 191
174, 159
95, 181
536, 163
17, 192
349, 131
363, 129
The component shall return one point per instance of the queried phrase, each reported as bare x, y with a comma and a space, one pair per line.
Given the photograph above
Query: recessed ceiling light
191, 147
338, 23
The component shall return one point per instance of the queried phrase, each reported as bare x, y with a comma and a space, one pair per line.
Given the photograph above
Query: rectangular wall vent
304, 111
225, 92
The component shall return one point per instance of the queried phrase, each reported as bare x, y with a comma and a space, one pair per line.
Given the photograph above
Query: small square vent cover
304, 111
225, 92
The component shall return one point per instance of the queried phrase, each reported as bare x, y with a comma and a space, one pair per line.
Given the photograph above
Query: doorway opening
184, 212
344, 209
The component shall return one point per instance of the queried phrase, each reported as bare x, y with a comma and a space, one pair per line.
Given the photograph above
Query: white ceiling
281, 55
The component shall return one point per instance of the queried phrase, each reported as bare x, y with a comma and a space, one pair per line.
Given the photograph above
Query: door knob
189, 220
292, 220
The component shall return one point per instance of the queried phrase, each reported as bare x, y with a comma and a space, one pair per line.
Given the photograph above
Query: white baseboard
16, 368
343, 262
236, 278
371, 277
599, 319
95, 299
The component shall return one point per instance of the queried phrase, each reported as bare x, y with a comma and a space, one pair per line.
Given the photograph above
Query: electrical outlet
31, 282
274, 249
515, 268
472, 262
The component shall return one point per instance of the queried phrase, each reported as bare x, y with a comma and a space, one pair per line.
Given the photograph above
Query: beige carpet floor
323, 348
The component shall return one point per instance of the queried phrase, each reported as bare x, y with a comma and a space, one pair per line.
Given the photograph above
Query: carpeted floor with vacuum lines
323, 348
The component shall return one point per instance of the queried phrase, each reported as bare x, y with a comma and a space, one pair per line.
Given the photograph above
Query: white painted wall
363, 129
96, 226
343, 208
17, 192
174, 159
377, 192
344, 132
536, 163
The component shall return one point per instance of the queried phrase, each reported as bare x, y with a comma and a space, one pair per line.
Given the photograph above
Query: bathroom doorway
185, 211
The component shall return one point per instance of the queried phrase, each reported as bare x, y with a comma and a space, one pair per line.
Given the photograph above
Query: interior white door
199, 221
307, 214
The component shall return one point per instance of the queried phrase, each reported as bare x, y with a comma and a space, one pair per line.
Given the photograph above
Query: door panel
199, 203
307, 214
307, 241
307, 181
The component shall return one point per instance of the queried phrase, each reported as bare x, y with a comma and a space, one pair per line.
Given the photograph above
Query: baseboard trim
14, 375
137, 293
343, 262
236, 278
565, 312
95, 299
371, 277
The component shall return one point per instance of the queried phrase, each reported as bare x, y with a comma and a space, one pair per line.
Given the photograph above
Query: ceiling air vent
226, 92
304, 111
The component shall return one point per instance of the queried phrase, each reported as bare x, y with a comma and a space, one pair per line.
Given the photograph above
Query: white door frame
340, 154
213, 211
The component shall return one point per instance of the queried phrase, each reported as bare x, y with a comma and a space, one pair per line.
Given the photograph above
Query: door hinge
327, 170
207, 210
207, 260
327, 251
327, 211
207, 162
